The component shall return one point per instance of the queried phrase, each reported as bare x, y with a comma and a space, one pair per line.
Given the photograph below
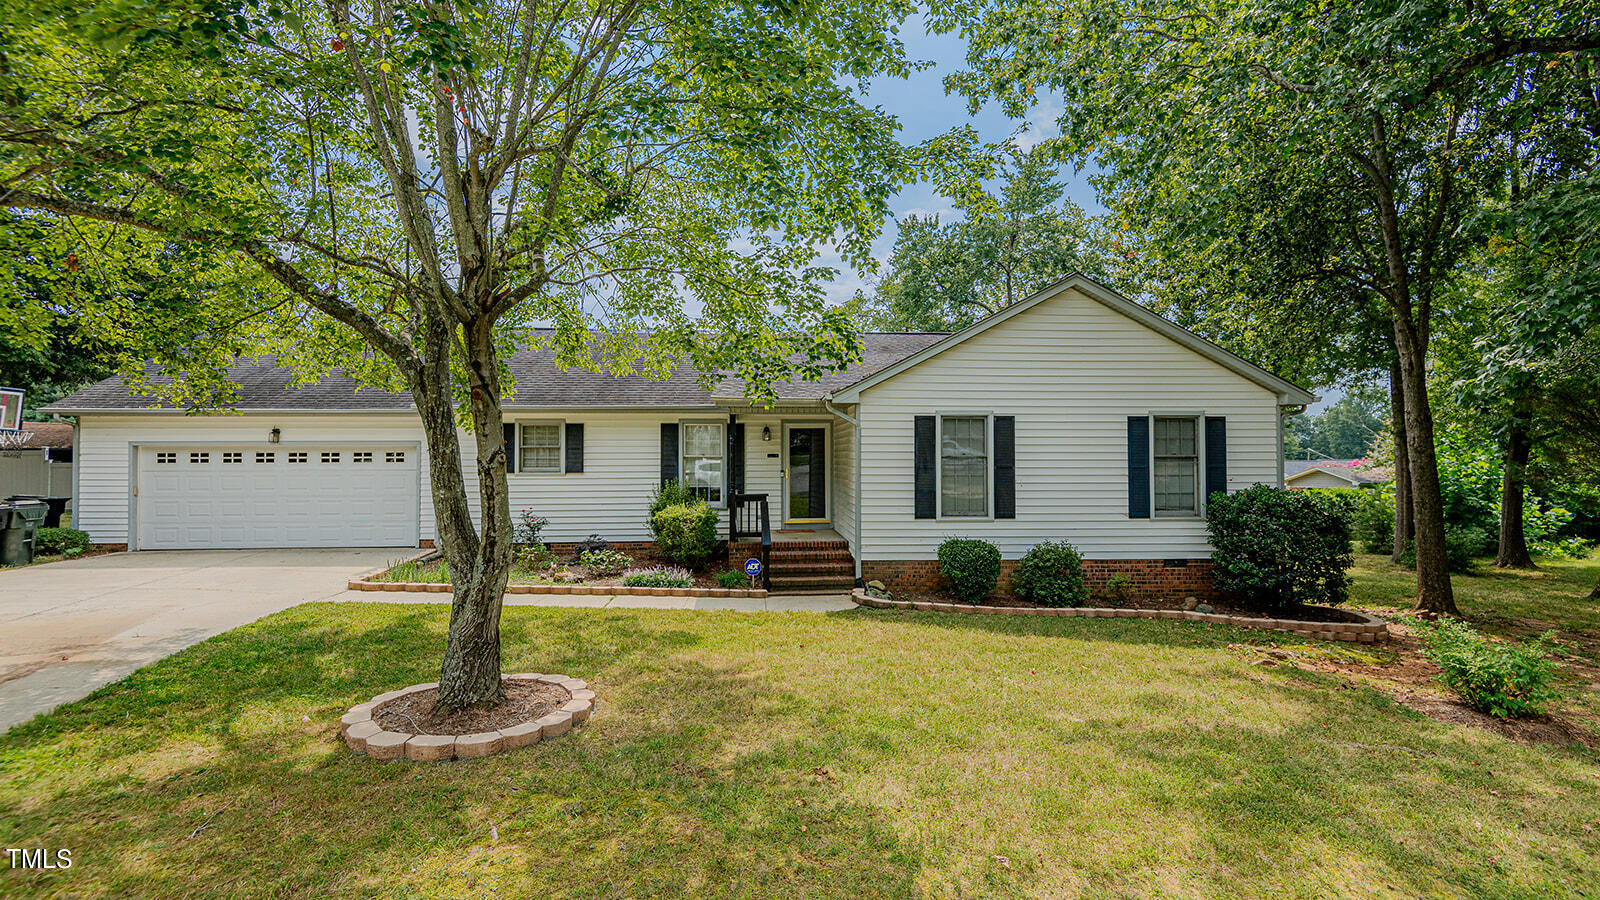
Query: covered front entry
277, 495
806, 472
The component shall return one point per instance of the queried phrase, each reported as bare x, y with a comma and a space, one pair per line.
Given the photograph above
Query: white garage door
277, 496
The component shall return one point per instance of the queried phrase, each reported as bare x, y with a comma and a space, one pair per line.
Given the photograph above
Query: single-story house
42, 465
1333, 473
1073, 415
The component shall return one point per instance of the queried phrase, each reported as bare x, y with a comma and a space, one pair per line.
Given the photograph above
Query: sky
925, 111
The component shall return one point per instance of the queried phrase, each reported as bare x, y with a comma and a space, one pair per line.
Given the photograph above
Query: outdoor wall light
276, 433
766, 432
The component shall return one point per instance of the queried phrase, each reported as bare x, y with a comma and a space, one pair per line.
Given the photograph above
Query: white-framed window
394, 456
265, 457
297, 457
164, 459
200, 458
233, 457
539, 447
361, 456
964, 465
1175, 465
700, 459
330, 456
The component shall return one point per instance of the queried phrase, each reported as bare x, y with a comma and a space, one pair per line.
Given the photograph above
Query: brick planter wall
643, 552
1151, 577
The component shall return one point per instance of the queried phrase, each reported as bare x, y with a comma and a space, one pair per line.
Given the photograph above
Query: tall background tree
401, 188
1001, 246
1352, 144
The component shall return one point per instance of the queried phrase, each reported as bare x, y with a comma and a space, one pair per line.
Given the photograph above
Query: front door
807, 482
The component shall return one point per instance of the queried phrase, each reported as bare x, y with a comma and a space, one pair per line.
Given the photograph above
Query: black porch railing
747, 517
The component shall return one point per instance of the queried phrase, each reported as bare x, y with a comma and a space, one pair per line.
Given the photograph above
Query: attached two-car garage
232, 496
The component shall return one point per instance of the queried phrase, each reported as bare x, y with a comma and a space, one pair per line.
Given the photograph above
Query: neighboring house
42, 466
1074, 415
1333, 473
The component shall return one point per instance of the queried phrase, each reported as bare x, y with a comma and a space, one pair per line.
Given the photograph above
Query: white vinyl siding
843, 480
1071, 370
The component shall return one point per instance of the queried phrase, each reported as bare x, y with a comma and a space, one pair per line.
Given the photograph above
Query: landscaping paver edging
592, 590
363, 735
1369, 630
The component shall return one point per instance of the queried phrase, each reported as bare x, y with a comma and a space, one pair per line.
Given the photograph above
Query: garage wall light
766, 432
274, 435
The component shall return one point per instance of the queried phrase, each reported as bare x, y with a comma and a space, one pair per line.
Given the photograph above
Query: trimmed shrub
685, 533
733, 578
605, 562
61, 540
1051, 574
1119, 588
1504, 680
659, 577
971, 566
1277, 547
671, 493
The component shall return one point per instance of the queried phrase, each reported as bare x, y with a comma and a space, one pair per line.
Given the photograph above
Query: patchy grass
860, 754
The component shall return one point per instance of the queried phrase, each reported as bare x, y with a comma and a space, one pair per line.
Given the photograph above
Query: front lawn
860, 754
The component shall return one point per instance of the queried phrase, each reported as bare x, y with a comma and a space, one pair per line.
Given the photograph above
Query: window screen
963, 466
1177, 466
541, 448
702, 460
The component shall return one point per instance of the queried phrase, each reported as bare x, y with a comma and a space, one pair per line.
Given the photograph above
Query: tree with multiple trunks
400, 189
1379, 128
1003, 246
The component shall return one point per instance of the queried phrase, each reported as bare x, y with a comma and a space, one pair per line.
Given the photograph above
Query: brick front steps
1368, 631
363, 735
592, 590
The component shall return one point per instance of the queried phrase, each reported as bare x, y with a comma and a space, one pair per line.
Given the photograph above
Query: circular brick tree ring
363, 735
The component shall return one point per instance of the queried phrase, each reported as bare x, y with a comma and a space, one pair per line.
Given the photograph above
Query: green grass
859, 754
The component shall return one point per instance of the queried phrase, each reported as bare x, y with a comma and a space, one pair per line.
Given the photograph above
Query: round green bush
685, 533
971, 566
1051, 574
1277, 547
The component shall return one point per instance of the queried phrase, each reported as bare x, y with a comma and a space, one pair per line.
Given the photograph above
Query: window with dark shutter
669, 452
736, 458
509, 431
574, 447
1216, 455
1005, 467
1138, 467
925, 457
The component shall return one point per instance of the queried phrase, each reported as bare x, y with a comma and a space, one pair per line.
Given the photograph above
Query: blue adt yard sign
752, 567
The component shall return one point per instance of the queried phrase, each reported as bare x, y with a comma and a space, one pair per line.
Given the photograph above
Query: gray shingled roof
263, 385
1356, 469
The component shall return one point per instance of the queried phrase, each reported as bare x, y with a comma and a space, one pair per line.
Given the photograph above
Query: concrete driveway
73, 626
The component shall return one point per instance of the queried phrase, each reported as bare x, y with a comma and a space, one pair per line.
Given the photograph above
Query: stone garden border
1369, 630
363, 735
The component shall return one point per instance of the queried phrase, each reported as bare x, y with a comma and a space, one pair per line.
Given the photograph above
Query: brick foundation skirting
1152, 578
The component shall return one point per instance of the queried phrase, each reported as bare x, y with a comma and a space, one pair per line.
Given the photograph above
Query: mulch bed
701, 579
1300, 613
524, 702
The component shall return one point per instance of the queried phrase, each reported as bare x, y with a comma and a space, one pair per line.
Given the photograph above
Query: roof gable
1287, 391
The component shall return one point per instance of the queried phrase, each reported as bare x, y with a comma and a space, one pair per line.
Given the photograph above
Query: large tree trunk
1435, 594
1403, 521
470, 673
1513, 553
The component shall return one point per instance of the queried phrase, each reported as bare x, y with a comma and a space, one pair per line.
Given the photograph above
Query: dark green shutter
669, 452
1138, 467
509, 430
1005, 467
925, 454
574, 446
736, 461
1216, 455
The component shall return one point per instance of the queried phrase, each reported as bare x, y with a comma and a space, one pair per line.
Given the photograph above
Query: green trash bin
17, 532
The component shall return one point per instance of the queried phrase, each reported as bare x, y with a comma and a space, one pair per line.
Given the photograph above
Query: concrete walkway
71, 627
